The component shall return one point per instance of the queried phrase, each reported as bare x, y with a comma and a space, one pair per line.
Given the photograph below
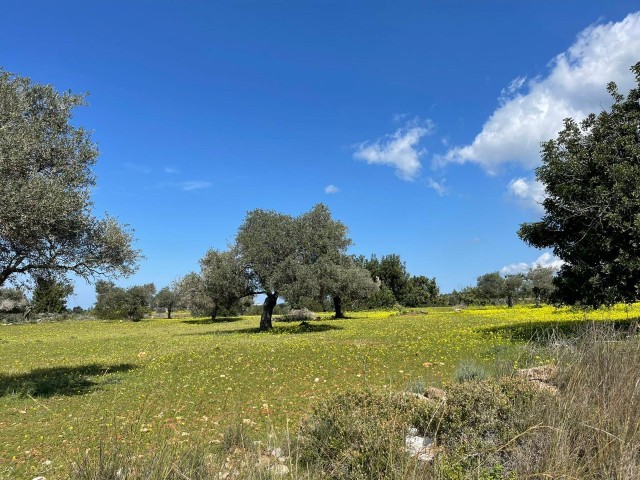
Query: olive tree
225, 280
267, 244
490, 287
591, 175
513, 286
113, 302
193, 295
540, 280
46, 224
169, 297
323, 269
351, 283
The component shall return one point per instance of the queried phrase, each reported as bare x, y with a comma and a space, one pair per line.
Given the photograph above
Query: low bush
300, 315
482, 422
361, 435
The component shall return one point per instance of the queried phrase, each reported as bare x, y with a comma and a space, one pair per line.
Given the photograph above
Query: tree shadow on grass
208, 321
304, 327
47, 382
543, 332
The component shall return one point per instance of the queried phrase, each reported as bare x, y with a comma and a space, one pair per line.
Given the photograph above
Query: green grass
67, 387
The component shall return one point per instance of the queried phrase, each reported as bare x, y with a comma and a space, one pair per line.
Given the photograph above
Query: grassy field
67, 387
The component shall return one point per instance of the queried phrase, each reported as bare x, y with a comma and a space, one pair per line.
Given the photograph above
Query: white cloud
439, 187
331, 189
507, 93
546, 260
398, 117
193, 185
527, 192
514, 268
171, 170
574, 87
399, 149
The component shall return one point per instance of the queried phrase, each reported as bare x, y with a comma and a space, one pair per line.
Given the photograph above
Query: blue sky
417, 123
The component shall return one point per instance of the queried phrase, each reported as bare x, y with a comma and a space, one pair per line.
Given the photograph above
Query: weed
469, 371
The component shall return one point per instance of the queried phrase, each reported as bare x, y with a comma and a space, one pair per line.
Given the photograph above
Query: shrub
481, 423
299, 315
361, 435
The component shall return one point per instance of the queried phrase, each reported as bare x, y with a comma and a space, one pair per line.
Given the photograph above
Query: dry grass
591, 430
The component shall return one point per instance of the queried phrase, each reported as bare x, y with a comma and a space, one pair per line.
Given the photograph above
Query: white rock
421, 447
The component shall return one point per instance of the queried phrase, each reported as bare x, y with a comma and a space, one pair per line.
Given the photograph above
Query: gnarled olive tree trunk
267, 311
337, 306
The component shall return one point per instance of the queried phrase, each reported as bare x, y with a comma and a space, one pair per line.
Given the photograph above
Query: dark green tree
490, 287
46, 224
50, 295
390, 271
393, 273
591, 173
421, 291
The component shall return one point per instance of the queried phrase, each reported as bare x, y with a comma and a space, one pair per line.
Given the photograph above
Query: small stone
435, 393
39, 478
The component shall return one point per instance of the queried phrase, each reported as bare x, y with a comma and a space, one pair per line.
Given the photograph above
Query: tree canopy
114, 302
591, 173
299, 258
225, 280
46, 224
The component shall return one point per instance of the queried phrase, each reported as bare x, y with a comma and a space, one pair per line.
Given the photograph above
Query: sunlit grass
67, 386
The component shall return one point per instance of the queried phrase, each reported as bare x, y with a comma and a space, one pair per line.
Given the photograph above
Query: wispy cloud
532, 111
329, 189
194, 185
546, 260
399, 117
439, 187
399, 149
186, 186
171, 170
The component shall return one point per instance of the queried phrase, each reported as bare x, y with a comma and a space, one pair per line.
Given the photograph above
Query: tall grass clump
117, 462
592, 427
469, 371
